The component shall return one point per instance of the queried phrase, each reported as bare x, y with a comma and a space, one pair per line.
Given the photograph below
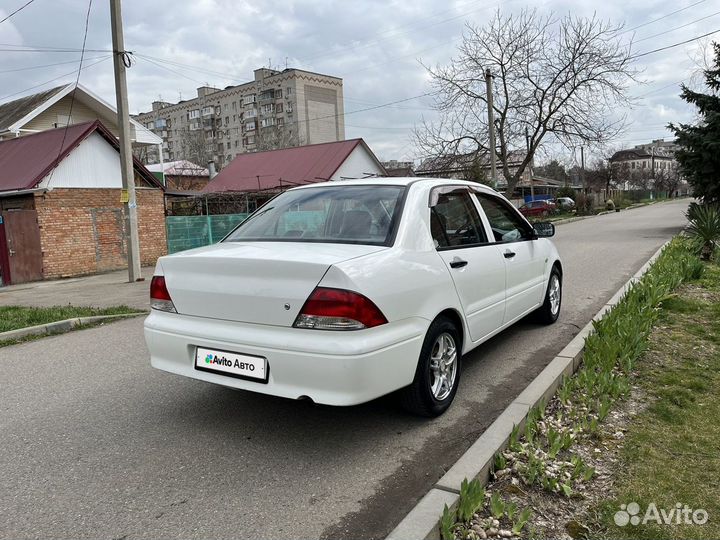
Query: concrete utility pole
582, 166
532, 160
491, 126
126, 160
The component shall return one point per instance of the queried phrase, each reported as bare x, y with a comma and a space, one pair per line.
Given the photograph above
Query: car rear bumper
333, 368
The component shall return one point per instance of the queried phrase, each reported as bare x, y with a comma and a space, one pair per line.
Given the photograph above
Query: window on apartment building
237, 143
250, 126
227, 120
195, 113
288, 91
234, 105
279, 107
280, 121
229, 158
289, 107
225, 107
172, 156
278, 93
247, 100
267, 122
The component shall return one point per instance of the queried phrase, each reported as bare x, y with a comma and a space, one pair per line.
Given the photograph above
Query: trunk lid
252, 281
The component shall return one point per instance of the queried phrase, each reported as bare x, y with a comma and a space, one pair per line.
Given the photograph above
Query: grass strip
16, 317
671, 453
541, 457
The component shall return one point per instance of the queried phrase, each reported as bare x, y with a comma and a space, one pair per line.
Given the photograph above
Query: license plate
242, 366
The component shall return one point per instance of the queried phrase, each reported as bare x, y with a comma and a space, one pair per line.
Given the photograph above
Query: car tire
549, 312
427, 395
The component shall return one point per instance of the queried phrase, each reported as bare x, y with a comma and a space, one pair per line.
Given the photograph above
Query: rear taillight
338, 309
159, 295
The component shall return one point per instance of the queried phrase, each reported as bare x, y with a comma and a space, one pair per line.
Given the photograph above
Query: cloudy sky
376, 46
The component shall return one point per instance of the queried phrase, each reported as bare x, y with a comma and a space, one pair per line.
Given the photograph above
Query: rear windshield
331, 214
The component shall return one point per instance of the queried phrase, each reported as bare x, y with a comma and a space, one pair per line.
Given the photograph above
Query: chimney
211, 169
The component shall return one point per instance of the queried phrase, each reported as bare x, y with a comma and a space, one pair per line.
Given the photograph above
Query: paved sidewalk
104, 290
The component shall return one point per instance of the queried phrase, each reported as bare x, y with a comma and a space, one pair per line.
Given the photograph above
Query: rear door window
455, 222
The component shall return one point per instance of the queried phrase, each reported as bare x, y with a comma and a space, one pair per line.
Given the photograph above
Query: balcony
267, 95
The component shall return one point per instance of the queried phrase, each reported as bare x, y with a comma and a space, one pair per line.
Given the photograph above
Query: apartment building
658, 155
277, 109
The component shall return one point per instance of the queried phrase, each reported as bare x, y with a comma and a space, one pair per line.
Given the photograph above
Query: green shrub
704, 229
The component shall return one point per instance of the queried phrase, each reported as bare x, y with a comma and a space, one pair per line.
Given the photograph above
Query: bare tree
194, 147
276, 136
558, 78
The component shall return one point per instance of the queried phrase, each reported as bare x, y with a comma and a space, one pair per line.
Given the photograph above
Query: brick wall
82, 230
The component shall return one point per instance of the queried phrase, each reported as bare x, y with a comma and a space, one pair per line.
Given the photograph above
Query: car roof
401, 181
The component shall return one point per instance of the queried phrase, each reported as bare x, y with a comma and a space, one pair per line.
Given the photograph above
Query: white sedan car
342, 292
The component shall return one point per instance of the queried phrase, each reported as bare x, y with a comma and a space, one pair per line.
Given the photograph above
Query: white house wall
358, 164
93, 164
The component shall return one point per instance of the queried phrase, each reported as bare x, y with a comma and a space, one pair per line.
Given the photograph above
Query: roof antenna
286, 59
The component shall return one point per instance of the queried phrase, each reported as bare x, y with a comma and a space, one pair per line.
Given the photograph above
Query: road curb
422, 522
61, 326
580, 218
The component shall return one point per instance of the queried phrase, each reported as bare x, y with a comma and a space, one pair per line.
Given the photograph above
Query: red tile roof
282, 168
25, 161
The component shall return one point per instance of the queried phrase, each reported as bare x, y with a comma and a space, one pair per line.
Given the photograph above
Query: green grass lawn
14, 317
672, 448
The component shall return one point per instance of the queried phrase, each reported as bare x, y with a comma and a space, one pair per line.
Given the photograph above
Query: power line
146, 59
17, 10
662, 17
72, 97
677, 27
50, 65
62, 51
55, 78
674, 45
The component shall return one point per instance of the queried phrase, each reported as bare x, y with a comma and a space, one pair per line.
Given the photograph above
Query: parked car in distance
565, 203
342, 292
542, 208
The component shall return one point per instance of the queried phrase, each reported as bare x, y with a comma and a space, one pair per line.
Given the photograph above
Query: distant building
655, 156
277, 109
275, 170
181, 175
61, 207
460, 166
51, 109
399, 168
649, 167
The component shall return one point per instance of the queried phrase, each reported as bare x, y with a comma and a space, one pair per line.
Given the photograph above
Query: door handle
508, 254
457, 263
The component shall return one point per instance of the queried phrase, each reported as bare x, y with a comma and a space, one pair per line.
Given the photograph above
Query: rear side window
330, 214
455, 222
506, 224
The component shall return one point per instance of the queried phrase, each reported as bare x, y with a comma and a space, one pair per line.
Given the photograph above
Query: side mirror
544, 229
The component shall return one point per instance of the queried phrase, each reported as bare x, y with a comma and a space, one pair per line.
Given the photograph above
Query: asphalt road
96, 444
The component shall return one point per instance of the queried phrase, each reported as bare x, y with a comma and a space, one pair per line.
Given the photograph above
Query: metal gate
22, 258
